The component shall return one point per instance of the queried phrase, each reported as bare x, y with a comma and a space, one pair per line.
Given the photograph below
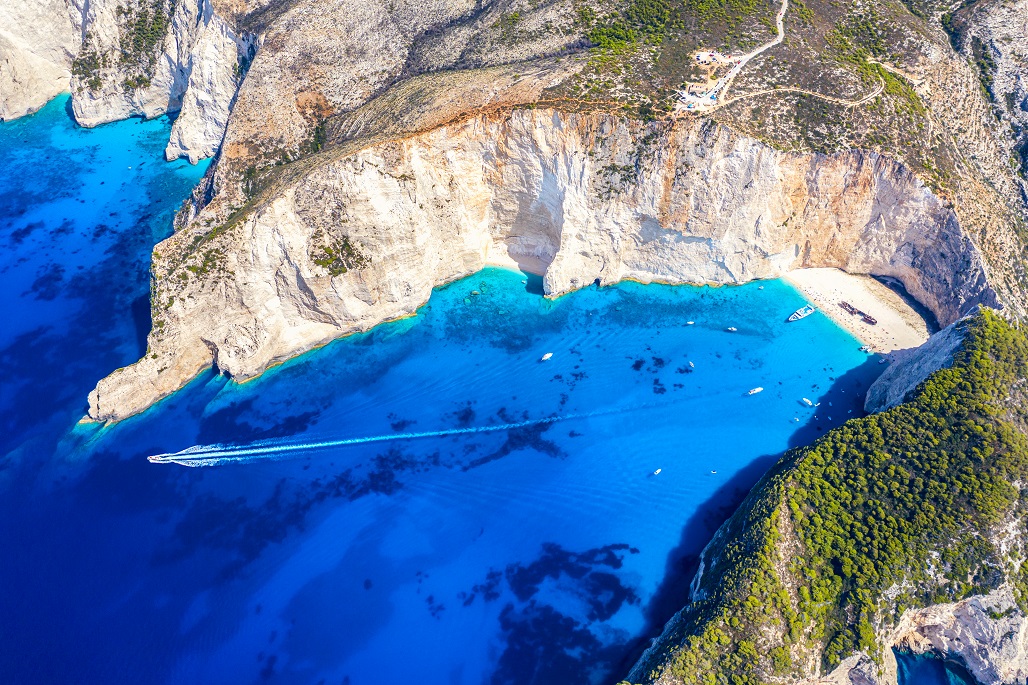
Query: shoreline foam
899, 327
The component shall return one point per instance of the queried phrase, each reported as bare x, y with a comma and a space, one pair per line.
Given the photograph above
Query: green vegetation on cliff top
895, 510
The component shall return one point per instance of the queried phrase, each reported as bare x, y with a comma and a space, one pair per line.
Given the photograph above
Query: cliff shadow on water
845, 398
929, 669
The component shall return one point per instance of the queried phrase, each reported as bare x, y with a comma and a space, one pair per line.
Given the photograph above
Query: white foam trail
216, 455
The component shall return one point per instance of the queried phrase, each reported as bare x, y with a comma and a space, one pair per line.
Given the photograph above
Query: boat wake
218, 455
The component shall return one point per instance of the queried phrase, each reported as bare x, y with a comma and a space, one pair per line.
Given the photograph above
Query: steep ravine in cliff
364, 237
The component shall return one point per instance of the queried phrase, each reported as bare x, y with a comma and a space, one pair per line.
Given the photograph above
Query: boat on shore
848, 308
868, 319
801, 313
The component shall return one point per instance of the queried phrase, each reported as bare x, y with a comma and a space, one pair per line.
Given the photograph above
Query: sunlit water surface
547, 553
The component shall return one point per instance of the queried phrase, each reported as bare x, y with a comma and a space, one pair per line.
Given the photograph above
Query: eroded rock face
38, 41
912, 367
986, 634
129, 67
994, 36
579, 198
324, 58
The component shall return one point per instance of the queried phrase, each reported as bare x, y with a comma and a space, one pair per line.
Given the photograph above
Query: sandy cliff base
899, 326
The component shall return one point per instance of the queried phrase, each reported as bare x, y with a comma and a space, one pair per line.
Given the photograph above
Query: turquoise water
930, 670
547, 552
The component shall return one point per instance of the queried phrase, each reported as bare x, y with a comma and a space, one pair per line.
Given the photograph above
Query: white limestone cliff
215, 72
195, 69
38, 41
580, 198
985, 634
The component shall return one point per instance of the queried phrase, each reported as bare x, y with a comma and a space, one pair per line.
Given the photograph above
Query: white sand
899, 326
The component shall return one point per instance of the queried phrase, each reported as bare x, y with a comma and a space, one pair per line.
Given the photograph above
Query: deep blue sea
544, 553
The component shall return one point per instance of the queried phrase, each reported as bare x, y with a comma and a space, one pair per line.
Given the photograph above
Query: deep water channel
546, 553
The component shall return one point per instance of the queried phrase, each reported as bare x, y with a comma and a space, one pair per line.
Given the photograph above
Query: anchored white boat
804, 311
731, 329
754, 391
546, 356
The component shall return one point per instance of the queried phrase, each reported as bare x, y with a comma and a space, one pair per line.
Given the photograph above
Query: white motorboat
546, 356
803, 312
754, 391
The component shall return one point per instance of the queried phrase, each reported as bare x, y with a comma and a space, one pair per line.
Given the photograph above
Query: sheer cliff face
159, 56
580, 198
38, 41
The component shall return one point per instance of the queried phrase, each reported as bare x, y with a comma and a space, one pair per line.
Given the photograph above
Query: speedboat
657, 472
731, 329
808, 402
754, 391
546, 356
804, 311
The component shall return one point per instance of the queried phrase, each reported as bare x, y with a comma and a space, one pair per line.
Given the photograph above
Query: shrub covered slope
895, 510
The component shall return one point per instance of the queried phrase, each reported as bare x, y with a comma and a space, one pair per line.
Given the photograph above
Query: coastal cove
547, 553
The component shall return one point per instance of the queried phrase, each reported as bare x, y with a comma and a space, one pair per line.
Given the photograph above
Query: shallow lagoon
542, 554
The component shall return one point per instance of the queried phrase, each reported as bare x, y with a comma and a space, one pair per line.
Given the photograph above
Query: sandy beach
899, 326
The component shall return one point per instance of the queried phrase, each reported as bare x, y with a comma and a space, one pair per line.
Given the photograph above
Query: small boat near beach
808, 402
546, 356
801, 313
755, 390
731, 329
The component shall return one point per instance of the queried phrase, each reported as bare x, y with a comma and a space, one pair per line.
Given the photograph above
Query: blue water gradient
547, 553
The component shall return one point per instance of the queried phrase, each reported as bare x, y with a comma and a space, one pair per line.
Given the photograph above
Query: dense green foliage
143, 28
903, 501
641, 20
